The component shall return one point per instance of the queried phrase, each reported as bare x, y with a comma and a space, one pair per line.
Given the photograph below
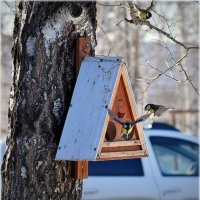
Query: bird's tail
170, 108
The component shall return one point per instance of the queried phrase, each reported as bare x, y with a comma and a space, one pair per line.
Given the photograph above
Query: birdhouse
89, 132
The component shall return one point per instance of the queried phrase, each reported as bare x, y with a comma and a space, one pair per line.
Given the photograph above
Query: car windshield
176, 157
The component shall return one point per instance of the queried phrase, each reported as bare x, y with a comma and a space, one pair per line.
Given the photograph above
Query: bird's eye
125, 126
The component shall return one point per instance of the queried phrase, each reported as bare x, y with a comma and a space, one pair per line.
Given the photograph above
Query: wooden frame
117, 149
80, 169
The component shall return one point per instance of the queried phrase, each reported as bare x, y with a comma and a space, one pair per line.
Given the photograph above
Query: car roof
171, 133
165, 126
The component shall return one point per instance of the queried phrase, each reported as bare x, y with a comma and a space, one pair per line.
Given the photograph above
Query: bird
143, 14
127, 126
157, 110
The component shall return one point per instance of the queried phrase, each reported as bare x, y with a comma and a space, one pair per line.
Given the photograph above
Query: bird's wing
160, 111
113, 116
138, 8
143, 10
151, 5
140, 119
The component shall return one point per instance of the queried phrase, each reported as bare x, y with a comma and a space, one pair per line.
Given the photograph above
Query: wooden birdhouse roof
87, 119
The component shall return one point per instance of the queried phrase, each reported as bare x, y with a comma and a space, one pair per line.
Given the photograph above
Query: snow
57, 189
39, 164
26, 144
45, 96
29, 70
53, 30
30, 46
23, 172
57, 105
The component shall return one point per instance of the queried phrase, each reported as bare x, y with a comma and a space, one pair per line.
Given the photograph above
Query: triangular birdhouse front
89, 132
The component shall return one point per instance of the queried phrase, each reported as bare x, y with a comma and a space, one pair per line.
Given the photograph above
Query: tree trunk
43, 80
186, 89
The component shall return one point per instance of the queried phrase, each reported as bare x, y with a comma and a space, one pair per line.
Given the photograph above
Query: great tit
127, 126
157, 110
143, 14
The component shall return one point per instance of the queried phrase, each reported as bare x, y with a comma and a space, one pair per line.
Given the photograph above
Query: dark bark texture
43, 80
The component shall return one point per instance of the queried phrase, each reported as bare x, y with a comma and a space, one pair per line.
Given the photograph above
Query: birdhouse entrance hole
110, 132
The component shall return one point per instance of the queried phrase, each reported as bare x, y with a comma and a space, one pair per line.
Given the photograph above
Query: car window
176, 157
129, 167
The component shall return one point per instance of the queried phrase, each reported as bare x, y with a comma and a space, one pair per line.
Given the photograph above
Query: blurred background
147, 53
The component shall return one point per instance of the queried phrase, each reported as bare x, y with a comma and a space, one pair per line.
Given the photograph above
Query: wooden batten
80, 169
122, 155
121, 143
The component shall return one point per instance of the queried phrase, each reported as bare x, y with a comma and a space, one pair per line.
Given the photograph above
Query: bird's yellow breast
127, 131
142, 15
152, 110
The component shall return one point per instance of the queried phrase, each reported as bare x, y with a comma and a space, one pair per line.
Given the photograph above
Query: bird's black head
149, 15
127, 125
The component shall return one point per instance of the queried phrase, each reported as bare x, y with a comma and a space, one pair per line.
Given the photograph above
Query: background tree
45, 35
161, 62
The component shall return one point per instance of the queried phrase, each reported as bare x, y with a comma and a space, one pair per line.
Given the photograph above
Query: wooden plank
82, 49
80, 169
133, 106
123, 155
124, 148
121, 143
120, 158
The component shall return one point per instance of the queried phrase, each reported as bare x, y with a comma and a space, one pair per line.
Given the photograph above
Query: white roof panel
87, 113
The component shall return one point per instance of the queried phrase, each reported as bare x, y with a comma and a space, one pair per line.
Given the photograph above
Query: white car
169, 173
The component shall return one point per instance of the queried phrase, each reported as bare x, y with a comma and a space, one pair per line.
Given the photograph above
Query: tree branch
9, 7
137, 21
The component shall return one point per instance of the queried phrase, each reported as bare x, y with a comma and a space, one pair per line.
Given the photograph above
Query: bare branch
118, 4
101, 4
137, 21
117, 24
9, 7
107, 39
150, 81
185, 73
133, 9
